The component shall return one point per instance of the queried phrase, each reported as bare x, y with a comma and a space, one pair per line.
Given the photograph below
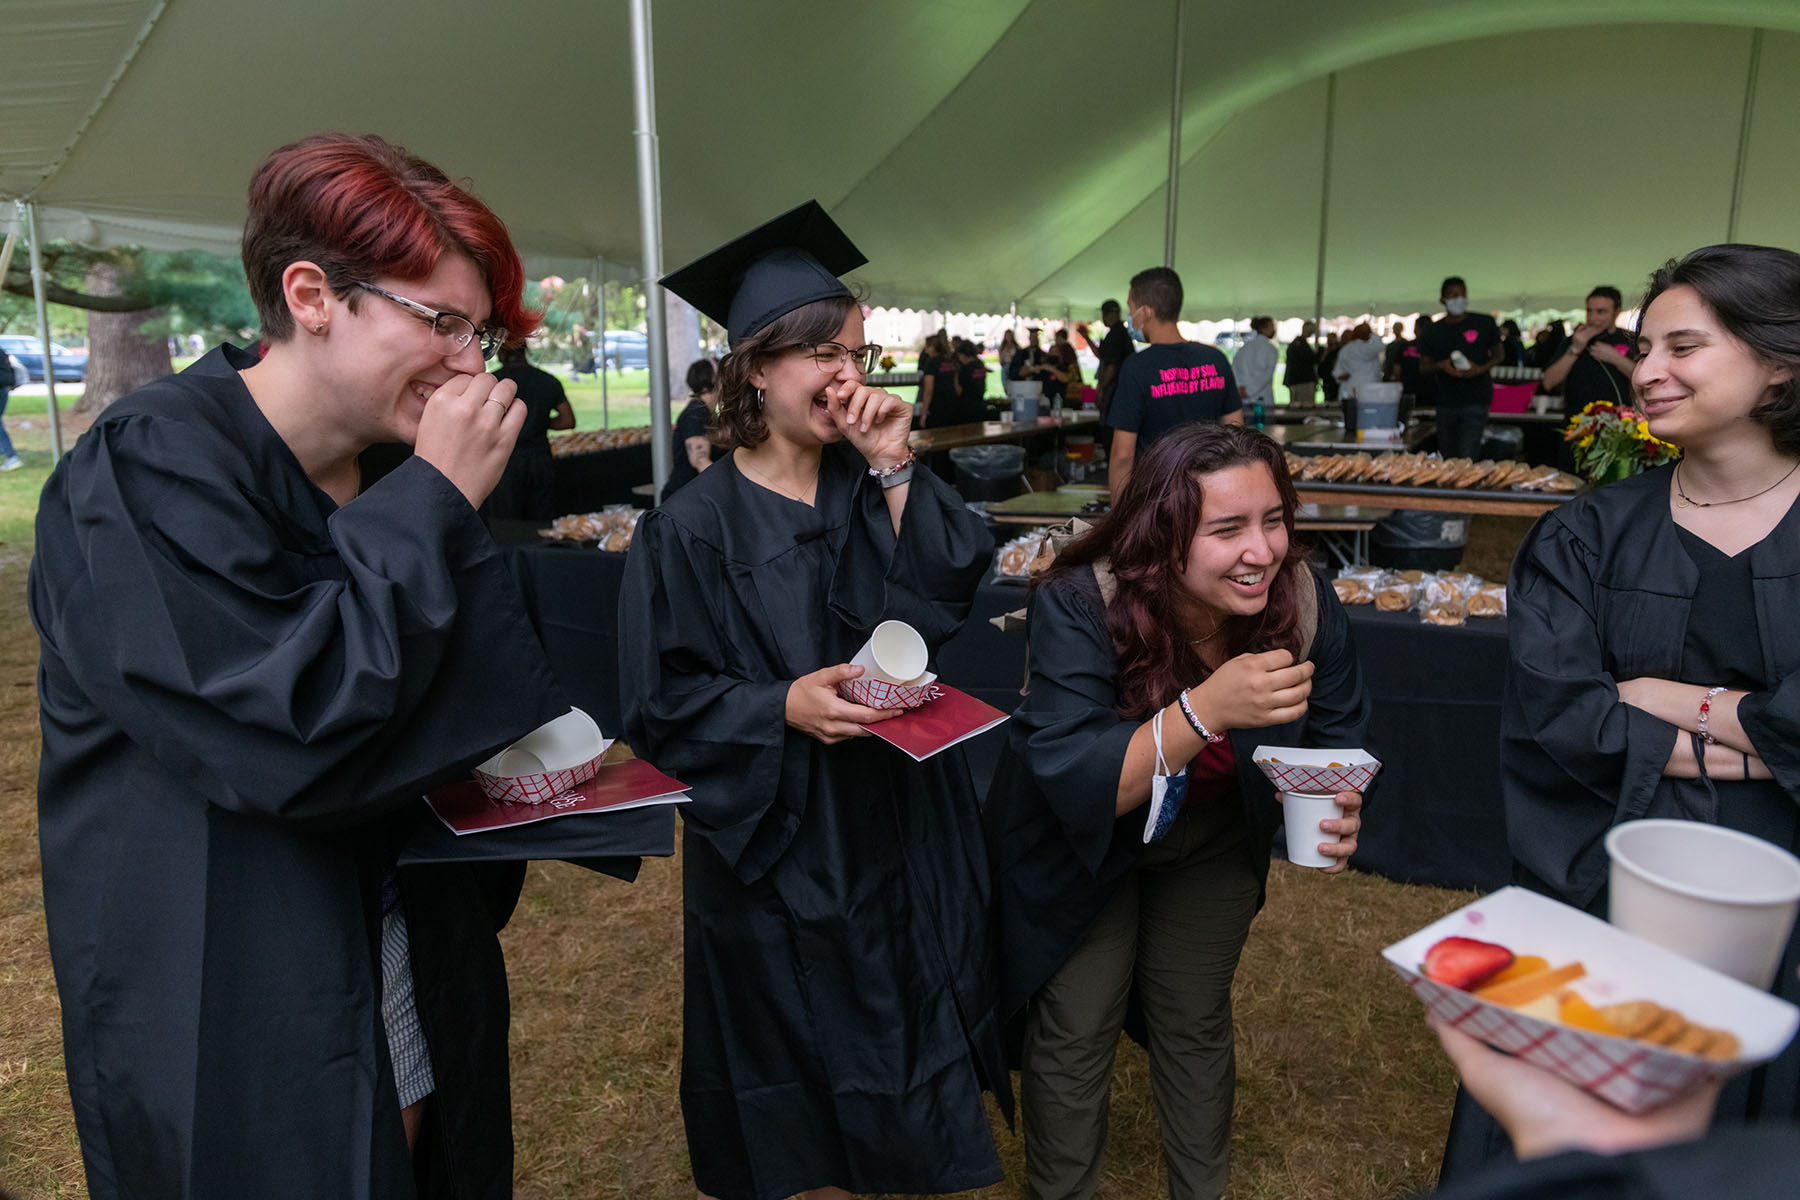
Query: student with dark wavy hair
252, 667
1655, 661
1187, 609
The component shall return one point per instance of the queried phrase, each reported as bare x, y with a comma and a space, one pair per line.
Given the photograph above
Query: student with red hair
1184, 627
251, 668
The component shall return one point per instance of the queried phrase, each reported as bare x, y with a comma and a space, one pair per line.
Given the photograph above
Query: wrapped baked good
1014, 560
1489, 600
1438, 589
1394, 599
1446, 612
1352, 591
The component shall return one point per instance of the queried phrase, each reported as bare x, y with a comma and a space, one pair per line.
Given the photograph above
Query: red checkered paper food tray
536, 789
1296, 769
879, 693
1631, 1075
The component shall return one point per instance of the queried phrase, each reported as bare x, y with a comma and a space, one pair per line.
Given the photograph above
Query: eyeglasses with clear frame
829, 356
453, 330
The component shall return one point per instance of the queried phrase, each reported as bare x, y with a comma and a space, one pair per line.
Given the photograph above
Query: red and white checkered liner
879, 693
1304, 770
1633, 1076
536, 789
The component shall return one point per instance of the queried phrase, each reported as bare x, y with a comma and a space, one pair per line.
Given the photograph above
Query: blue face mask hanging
1167, 791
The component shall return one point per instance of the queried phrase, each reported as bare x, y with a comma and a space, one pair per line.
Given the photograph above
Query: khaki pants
1175, 929
1303, 393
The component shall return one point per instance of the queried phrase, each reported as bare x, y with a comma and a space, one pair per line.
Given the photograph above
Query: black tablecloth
589, 482
1434, 815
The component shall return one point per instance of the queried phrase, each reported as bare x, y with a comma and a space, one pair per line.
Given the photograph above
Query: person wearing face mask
839, 1019
1655, 671
1254, 365
1301, 375
1167, 383
1188, 629
1457, 353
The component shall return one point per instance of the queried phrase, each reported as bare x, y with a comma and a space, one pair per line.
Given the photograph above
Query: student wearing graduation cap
840, 1019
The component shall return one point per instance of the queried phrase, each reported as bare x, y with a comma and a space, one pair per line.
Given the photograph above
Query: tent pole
1174, 144
643, 87
1743, 151
43, 327
1325, 197
605, 405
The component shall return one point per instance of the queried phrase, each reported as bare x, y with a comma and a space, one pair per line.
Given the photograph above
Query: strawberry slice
1461, 962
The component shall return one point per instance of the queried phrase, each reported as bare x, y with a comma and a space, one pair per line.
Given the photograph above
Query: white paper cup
894, 653
1301, 813
1719, 897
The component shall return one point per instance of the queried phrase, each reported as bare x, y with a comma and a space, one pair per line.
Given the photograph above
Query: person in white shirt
1358, 360
1255, 363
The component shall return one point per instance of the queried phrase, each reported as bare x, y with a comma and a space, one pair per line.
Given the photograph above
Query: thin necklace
800, 499
1686, 501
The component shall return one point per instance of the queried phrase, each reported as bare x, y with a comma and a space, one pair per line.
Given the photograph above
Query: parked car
627, 348
70, 367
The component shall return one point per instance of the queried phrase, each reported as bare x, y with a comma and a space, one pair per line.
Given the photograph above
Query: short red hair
361, 208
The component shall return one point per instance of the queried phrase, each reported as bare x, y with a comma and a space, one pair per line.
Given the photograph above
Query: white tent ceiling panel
980, 152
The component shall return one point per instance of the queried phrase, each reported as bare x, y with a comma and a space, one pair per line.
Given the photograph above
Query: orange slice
1524, 964
1527, 988
1577, 1013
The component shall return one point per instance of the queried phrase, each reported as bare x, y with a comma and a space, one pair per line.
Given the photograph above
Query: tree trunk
120, 357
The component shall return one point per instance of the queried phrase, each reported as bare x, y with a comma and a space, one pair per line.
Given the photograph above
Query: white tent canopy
980, 153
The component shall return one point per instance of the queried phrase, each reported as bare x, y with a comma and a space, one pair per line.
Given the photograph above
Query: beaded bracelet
1705, 712
899, 473
1187, 711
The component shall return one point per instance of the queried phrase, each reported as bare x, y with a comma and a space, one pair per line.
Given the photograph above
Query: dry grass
1342, 1091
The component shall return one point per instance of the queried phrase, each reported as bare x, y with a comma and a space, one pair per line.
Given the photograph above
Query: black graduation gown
526, 490
839, 1012
1058, 851
1753, 1164
244, 689
1602, 591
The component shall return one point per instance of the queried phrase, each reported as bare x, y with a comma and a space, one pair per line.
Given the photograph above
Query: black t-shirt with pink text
1162, 386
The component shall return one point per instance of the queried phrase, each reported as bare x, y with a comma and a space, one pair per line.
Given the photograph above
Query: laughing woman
1186, 611
839, 1021
1655, 663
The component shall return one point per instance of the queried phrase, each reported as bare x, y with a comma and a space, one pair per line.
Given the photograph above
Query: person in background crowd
1301, 377
1358, 360
526, 491
1512, 345
1028, 360
1653, 664
1168, 382
1112, 352
971, 382
1328, 354
1064, 368
1186, 614
839, 1010
1009, 346
931, 360
1394, 351
1597, 361
9, 379
694, 449
1457, 353
256, 1000
1254, 365
1403, 368
1547, 345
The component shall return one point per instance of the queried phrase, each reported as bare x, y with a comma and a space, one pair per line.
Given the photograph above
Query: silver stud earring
319, 328
759, 398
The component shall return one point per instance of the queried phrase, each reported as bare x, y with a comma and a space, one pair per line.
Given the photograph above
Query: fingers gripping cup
893, 662
1309, 782
1722, 898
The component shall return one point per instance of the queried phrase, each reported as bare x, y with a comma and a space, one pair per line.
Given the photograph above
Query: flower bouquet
1613, 442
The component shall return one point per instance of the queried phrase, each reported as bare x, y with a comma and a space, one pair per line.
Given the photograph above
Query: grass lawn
1342, 1091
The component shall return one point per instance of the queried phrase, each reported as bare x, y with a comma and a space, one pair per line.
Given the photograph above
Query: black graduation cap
770, 271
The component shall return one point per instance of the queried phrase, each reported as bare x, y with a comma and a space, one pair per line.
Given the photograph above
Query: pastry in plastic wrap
1444, 612
1488, 600
1394, 599
1352, 591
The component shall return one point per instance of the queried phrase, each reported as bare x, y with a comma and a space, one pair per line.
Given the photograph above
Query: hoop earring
759, 399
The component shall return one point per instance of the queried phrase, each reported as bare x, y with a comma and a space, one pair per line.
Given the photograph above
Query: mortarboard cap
770, 271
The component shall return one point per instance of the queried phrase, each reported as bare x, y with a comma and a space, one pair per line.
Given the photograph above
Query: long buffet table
1434, 816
